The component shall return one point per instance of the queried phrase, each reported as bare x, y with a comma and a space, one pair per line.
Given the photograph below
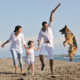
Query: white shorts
47, 47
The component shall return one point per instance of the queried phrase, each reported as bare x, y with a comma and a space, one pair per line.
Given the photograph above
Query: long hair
17, 28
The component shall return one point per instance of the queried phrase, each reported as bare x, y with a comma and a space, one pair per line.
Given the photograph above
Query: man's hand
52, 11
56, 8
51, 16
38, 42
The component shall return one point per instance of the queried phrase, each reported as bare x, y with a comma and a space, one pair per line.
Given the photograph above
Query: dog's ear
65, 26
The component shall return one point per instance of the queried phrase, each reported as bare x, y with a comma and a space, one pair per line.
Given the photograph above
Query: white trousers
47, 47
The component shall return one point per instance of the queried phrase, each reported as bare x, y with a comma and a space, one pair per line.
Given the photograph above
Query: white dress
29, 59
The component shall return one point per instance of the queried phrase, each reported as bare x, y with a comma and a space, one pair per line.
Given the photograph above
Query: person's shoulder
21, 34
12, 33
50, 23
41, 30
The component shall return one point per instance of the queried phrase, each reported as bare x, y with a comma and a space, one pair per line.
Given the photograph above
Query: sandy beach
63, 71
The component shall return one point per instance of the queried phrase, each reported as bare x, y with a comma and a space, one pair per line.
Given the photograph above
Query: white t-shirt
47, 35
17, 42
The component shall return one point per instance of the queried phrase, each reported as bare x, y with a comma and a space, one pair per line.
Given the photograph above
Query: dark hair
29, 42
17, 28
44, 22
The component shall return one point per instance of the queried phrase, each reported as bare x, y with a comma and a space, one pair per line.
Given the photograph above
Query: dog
70, 40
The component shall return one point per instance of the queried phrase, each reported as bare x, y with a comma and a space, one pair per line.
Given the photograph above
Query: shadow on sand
8, 73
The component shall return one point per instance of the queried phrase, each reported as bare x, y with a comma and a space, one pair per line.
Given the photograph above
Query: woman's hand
2, 45
27, 52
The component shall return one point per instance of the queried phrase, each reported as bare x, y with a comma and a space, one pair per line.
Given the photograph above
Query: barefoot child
30, 57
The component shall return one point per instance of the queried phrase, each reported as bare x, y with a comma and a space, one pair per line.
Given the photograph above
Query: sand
63, 71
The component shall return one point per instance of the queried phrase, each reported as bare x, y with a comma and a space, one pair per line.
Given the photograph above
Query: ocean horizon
76, 58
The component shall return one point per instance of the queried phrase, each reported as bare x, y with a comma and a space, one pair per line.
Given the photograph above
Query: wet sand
63, 71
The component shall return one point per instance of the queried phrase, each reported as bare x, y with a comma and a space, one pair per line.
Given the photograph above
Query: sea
76, 58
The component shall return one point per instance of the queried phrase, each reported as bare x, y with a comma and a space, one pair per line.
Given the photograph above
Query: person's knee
40, 55
51, 60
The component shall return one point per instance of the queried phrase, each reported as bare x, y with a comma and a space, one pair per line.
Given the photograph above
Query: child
30, 57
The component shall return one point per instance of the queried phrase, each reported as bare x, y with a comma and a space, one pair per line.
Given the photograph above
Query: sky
31, 13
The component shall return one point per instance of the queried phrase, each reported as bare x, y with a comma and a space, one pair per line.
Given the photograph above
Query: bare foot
52, 71
16, 69
32, 74
21, 71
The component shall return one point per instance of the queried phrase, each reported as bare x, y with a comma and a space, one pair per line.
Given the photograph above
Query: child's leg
29, 67
32, 66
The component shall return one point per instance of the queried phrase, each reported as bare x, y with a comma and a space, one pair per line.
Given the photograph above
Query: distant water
63, 58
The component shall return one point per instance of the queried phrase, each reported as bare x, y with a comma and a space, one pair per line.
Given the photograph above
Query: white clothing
48, 33
17, 42
45, 36
29, 59
49, 48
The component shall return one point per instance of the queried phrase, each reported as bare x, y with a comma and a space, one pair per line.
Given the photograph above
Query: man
46, 33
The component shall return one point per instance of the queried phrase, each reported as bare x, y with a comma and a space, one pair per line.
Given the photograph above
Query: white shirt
17, 42
45, 36
48, 33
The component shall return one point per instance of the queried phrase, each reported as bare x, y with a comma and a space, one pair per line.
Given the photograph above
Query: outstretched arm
37, 49
4, 43
51, 16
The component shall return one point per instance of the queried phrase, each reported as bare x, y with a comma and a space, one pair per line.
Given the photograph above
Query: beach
62, 70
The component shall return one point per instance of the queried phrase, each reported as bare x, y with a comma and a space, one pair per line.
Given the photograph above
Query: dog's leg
65, 42
69, 53
73, 51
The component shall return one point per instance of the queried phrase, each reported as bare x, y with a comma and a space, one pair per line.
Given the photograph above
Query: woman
17, 39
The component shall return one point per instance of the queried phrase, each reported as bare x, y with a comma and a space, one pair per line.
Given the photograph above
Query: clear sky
30, 14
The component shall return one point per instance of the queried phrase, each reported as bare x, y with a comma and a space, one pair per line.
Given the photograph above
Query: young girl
29, 59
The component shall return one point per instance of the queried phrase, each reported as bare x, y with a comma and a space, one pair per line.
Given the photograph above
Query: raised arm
51, 16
